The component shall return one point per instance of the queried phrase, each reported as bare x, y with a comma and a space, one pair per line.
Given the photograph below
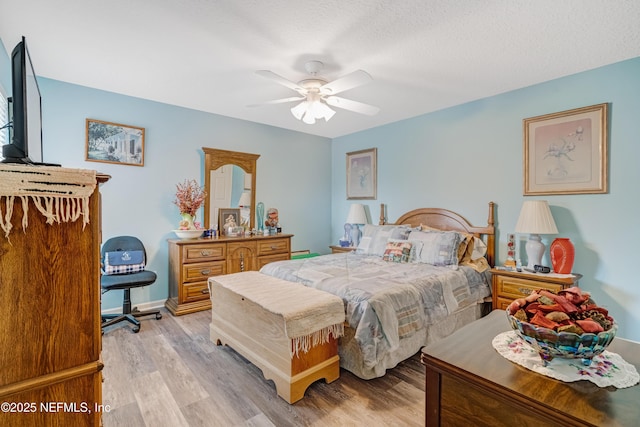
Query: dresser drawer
204, 252
511, 287
202, 271
195, 291
502, 303
273, 246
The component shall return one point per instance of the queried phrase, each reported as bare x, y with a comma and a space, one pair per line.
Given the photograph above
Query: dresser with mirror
229, 178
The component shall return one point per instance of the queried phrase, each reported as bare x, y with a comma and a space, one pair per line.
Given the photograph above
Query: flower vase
562, 254
187, 221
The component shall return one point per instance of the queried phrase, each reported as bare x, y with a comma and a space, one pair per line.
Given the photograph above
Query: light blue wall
293, 171
463, 157
460, 158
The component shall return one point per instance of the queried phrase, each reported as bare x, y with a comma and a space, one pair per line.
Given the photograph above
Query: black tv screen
25, 145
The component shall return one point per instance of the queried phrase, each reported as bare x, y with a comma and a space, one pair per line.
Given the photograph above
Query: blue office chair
126, 281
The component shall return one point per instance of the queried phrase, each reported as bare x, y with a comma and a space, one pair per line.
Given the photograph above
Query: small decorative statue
511, 251
272, 218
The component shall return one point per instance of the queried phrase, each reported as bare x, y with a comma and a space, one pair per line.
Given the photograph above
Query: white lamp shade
535, 218
245, 199
357, 214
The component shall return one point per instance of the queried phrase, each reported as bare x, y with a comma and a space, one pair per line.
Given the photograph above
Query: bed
403, 287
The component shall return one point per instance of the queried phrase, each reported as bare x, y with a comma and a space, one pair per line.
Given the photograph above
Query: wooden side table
510, 285
340, 249
469, 383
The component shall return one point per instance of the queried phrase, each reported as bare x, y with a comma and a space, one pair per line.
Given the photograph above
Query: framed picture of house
362, 174
108, 142
566, 152
229, 218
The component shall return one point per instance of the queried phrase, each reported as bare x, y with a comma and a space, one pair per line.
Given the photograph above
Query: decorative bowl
567, 345
188, 234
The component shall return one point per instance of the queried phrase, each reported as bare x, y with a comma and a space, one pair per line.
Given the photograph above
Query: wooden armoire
50, 335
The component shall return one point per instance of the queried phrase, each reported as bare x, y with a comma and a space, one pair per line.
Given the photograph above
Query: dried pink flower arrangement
189, 196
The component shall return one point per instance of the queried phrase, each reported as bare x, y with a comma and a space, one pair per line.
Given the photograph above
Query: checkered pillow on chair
123, 262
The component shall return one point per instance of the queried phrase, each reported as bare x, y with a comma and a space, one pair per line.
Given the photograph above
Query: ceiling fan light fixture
309, 111
308, 118
299, 110
323, 111
318, 95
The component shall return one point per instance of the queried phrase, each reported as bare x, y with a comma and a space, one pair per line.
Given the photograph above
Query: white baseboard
151, 305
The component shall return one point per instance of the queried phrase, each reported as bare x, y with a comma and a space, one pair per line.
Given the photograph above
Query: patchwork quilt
386, 302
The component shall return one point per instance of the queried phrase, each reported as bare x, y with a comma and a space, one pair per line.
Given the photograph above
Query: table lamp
245, 200
535, 219
356, 216
245, 208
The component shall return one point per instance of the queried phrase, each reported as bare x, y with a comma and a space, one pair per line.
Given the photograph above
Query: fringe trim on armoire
59, 194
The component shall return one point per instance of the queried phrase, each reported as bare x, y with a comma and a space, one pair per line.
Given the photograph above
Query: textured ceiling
423, 55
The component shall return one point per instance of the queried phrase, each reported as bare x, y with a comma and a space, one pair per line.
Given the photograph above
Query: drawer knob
205, 253
525, 291
205, 291
205, 272
273, 248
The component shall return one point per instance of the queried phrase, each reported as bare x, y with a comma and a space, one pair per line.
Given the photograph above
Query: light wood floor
171, 374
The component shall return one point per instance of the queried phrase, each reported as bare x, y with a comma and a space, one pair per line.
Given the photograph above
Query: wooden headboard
444, 219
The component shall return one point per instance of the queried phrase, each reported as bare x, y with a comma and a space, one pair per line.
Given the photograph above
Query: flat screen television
25, 133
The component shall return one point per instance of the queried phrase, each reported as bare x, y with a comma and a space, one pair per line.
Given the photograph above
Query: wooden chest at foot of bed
258, 331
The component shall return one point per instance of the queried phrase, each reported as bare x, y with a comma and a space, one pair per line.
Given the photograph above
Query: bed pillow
479, 248
439, 248
397, 251
374, 238
471, 252
471, 247
465, 248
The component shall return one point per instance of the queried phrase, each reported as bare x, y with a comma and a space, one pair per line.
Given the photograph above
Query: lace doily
606, 369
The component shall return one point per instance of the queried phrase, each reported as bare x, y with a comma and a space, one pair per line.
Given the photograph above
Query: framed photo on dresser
228, 220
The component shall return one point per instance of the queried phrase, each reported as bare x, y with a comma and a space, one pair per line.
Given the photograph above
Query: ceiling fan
317, 94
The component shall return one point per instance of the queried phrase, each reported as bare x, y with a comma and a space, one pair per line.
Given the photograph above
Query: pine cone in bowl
568, 324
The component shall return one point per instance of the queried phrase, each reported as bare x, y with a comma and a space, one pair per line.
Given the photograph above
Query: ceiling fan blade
278, 101
349, 81
347, 104
281, 80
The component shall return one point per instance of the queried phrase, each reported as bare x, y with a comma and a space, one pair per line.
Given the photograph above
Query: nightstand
339, 249
510, 285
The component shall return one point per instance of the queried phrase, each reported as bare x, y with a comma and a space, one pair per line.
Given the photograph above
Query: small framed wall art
566, 152
362, 174
114, 143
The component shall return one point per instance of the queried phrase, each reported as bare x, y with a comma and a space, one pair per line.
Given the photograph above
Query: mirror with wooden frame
230, 182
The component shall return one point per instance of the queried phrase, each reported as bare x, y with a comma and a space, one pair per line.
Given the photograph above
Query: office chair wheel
158, 316
136, 329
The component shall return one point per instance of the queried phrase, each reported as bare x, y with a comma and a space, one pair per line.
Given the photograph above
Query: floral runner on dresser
606, 369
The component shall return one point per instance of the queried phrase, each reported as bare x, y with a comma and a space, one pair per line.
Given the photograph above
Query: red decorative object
562, 254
